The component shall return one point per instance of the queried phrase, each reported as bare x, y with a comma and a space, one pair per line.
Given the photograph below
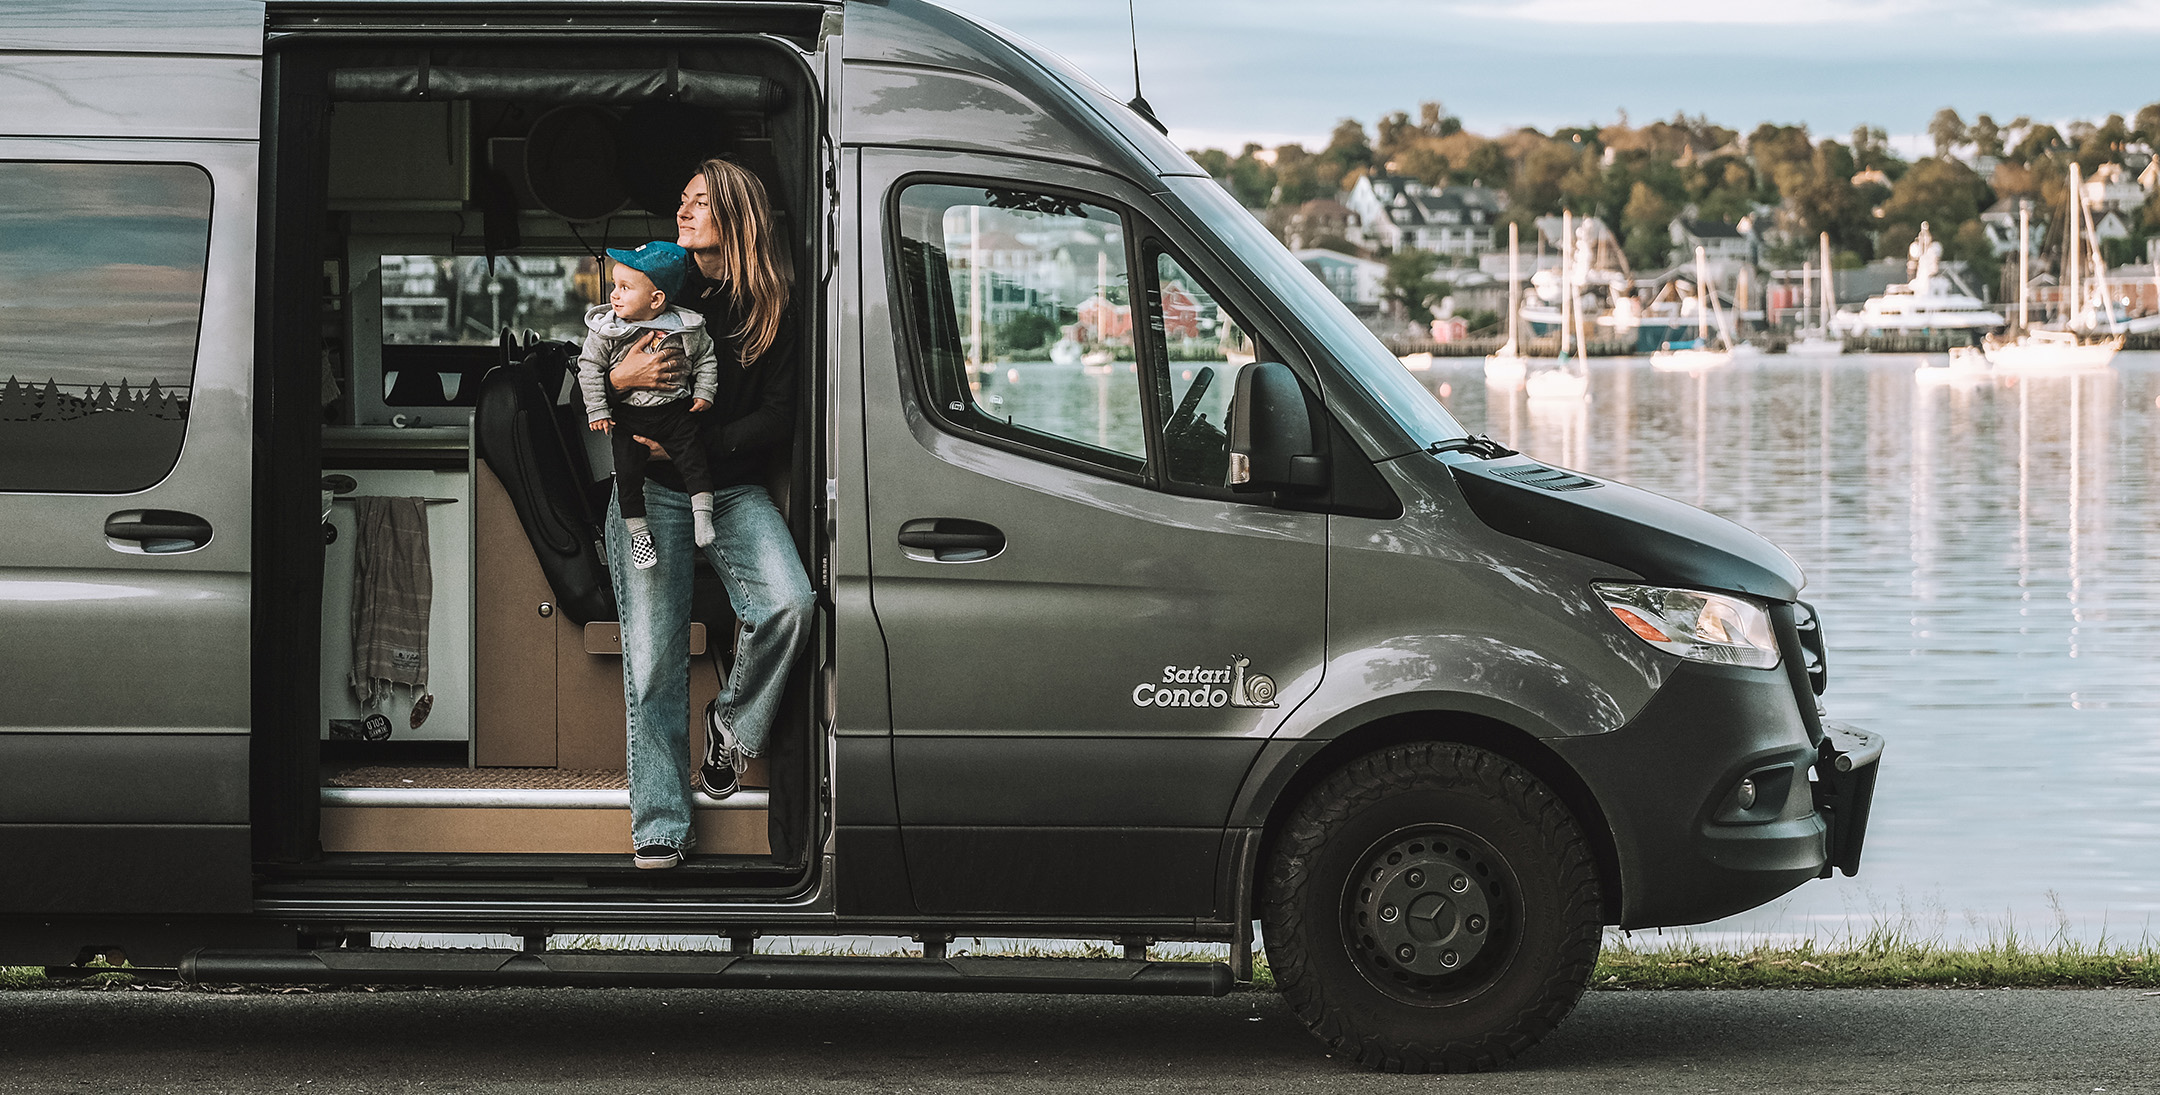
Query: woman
725, 222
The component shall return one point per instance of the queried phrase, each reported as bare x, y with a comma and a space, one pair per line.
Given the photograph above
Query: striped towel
393, 585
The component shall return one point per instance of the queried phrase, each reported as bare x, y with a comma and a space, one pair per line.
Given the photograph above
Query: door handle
951, 539
157, 531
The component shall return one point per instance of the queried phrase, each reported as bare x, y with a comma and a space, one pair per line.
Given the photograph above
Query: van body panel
1017, 731
973, 90
148, 653
66, 95
176, 778
136, 869
232, 27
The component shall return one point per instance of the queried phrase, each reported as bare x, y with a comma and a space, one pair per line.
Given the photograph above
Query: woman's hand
658, 453
645, 367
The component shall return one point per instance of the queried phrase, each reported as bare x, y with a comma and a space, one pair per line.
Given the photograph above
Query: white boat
1964, 365
1926, 303
2052, 351
1506, 368
1065, 351
1419, 362
1816, 341
1560, 381
2055, 351
1701, 355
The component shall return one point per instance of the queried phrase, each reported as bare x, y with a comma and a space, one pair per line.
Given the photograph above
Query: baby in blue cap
645, 280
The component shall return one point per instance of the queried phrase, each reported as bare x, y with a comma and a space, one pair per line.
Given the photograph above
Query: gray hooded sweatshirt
609, 337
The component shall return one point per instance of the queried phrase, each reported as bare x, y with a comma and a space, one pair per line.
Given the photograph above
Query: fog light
1745, 796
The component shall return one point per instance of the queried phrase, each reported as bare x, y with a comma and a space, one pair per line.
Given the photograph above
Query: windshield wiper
1484, 448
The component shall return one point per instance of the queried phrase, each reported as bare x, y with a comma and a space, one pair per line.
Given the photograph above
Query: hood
601, 320
1667, 542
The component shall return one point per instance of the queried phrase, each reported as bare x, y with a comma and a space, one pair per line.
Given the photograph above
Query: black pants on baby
676, 429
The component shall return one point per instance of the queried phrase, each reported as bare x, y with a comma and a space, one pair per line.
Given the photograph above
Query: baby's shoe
643, 554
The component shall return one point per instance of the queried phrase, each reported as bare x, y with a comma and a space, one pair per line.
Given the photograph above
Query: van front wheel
1431, 907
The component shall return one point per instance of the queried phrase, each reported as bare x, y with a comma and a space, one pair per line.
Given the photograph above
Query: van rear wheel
1431, 907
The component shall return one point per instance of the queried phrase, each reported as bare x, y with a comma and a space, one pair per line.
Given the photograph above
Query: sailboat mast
2024, 259
1829, 287
2070, 257
1514, 286
2099, 290
1702, 299
1567, 267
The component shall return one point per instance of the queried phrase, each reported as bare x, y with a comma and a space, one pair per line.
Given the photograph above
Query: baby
645, 282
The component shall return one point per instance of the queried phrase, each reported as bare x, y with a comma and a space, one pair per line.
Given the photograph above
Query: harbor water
1986, 561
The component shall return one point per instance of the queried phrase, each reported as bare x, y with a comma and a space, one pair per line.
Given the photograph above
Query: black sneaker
656, 857
724, 763
644, 555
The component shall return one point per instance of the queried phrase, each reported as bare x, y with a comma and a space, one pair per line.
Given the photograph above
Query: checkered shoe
643, 555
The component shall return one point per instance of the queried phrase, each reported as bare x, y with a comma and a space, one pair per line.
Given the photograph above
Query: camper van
1156, 602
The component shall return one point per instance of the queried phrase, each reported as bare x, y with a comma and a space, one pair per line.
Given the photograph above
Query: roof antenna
1139, 103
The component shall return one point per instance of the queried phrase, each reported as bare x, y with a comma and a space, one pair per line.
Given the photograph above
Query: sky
1222, 72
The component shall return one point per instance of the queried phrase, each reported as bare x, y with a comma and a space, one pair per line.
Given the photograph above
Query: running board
1095, 976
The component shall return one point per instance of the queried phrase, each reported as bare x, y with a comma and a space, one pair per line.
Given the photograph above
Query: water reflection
1987, 562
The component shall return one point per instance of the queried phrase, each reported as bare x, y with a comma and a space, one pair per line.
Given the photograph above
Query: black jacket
753, 411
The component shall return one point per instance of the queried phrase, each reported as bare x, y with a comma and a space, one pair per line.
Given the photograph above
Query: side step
1096, 976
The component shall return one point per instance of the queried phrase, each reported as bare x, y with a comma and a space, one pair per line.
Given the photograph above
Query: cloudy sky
1220, 72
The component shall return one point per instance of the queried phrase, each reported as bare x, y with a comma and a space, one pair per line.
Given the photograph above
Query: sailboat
2057, 351
1561, 381
1506, 368
1698, 355
1816, 341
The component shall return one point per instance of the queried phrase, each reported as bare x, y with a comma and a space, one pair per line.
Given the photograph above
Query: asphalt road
564, 1040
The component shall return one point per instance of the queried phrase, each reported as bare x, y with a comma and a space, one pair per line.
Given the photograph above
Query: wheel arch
1483, 731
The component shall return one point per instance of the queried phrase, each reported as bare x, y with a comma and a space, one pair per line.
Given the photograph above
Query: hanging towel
393, 585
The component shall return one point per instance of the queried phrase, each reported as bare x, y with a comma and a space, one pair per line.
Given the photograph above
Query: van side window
1196, 353
101, 291
1020, 310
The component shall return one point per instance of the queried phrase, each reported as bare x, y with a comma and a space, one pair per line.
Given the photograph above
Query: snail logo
1199, 686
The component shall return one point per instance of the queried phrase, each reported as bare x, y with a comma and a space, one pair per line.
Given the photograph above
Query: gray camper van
1155, 598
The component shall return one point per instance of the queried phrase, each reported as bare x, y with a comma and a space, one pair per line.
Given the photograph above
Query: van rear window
101, 293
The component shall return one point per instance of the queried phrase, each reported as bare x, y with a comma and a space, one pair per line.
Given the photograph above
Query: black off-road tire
1477, 843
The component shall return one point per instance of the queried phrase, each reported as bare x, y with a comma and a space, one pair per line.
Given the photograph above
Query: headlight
1703, 627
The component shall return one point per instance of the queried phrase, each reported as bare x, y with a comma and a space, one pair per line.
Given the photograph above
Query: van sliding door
127, 252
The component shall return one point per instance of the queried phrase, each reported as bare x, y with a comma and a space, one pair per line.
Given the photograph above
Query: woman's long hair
752, 263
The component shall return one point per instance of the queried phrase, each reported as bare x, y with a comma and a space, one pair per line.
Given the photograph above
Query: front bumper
1665, 782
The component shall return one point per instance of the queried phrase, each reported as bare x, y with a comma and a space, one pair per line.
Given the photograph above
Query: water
1986, 560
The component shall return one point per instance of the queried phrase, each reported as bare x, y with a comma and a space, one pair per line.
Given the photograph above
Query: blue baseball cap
665, 263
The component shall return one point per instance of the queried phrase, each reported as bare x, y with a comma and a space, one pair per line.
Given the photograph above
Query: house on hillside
2000, 221
1354, 281
2110, 189
1399, 213
1320, 220
1721, 242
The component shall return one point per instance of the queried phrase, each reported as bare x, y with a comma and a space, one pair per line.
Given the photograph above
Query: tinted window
1202, 348
101, 287
1021, 313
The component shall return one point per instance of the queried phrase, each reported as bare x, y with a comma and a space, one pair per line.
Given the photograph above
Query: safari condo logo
1195, 686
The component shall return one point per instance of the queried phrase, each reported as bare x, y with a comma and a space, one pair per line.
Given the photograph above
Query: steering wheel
1182, 420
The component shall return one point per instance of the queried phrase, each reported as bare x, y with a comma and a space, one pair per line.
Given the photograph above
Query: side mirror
1271, 435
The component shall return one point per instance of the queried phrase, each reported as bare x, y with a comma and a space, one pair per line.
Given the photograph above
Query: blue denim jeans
755, 557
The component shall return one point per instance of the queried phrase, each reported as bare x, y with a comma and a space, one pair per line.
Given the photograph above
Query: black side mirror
1271, 435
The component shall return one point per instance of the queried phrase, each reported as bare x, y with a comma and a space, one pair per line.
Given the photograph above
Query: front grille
1816, 657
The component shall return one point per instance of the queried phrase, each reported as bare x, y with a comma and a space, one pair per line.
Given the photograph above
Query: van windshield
1355, 349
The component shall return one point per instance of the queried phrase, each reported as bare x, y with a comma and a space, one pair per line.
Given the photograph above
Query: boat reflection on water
1986, 559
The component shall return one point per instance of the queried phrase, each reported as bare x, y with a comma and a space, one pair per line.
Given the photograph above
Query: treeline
1638, 178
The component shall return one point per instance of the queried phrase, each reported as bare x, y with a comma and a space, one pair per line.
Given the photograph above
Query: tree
2146, 125
1986, 136
1942, 192
1409, 283
1435, 121
1347, 150
1948, 130
2039, 140
1646, 225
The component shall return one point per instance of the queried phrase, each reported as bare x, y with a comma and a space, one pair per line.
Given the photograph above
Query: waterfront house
2110, 189
1721, 243
1354, 281
1398, 213
1316, 222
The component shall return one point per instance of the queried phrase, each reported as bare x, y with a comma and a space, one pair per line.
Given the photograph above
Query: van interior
439, 209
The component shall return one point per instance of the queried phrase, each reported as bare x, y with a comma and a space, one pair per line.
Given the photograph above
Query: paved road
564, 1040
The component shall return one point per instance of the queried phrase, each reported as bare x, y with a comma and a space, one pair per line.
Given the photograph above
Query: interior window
1021, 309
1202, 347
101, 290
